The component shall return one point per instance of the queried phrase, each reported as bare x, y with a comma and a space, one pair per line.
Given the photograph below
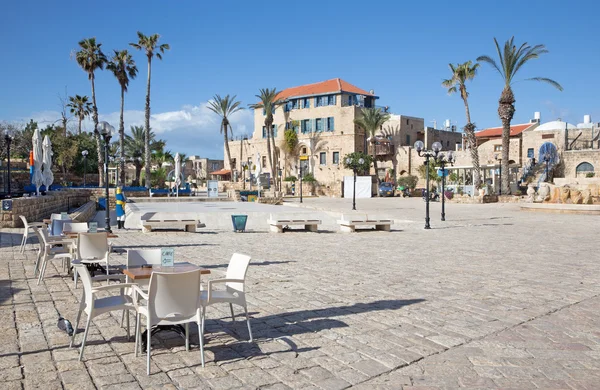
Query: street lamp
354, 165
300, 176
8, 139
443, 160
84, 153
499, 159
436, 147
244, 165
547, 159
106, 130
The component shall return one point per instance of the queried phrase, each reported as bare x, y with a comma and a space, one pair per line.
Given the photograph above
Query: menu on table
167, 257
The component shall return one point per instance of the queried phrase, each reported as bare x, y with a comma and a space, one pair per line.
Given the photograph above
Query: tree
81, 107
511, 60
290, 145
433, 176
123, 68
269, 102
149, 44
91, 58
135, 148
63, 111
354, 162
315, 144
460, 74
371, 121
225, 107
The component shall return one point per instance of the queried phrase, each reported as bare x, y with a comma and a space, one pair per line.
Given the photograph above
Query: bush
290, 178
309, 178
408, 181
590, 174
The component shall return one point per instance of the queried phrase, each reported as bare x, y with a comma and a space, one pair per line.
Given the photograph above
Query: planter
239, 222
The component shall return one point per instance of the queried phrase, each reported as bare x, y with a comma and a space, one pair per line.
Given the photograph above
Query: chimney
587, 119
537, 117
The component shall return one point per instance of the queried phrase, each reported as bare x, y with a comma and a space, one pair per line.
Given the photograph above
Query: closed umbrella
37, 179
177, 172
47, 176
257, 171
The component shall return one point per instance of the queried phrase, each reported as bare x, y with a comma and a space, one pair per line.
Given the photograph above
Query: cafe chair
27, 227
50, 249
171, 299
94, 306
93, 248
57, 225
234, 292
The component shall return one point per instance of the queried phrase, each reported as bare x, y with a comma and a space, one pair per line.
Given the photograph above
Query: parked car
386, 189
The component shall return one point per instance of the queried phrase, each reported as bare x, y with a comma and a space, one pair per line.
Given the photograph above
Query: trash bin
239, 222
102, 203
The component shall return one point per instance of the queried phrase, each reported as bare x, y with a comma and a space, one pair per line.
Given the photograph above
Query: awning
222, 172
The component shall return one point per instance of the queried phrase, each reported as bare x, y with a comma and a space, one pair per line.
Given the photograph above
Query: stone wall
84, 213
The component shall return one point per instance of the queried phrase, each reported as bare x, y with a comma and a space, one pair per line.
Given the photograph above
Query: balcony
383, 148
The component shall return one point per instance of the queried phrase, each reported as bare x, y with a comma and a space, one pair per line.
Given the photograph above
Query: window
304, 150
274, 131
585, 169
264, 132
447, 143
264, 161
214, 166
530, 153
331, 100
294, 104
233, 162
497, 148
323, 158
407, 121
319, 125
306, 126
330, 124
306, 103
408, 139
336, 158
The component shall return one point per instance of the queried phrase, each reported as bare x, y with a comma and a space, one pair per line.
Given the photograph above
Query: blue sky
399, 49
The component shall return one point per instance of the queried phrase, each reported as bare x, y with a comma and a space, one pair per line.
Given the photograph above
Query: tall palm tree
91, 58
225, 107
460, 74
123, 68
269, 102
511, 59
371, 121
149, 44
81, 107
316, 144
135, 148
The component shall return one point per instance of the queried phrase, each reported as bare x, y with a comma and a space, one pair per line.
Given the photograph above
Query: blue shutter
334, 100
316, 102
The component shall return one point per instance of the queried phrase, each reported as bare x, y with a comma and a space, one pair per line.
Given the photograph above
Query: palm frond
547, 81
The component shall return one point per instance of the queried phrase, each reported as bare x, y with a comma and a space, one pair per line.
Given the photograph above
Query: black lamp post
547, 159
354, 165
106, 130
443, 161
84, 153
8, 139
499, 159
300, 175
436, 147
244, 165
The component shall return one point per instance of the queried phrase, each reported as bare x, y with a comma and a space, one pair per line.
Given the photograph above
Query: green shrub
590, 174
290, 178
308, 178
409, 181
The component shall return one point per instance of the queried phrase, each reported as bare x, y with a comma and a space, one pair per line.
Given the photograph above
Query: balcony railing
382, 149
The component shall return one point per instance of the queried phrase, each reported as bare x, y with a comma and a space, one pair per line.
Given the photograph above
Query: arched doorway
585, 169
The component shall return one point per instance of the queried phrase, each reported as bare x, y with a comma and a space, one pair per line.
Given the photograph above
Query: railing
382, 149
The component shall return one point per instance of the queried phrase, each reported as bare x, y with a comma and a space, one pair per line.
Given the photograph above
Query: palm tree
225, 107
371, 121
460, 74
315, 144
81, 107
511, 60
268, 102
91, 58
135, 148
123, 68
149, 43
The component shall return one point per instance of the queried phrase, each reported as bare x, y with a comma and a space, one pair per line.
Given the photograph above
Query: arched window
584, 169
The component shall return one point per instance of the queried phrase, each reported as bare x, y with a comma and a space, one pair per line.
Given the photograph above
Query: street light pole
436, 148
106, 131
84, 153
499, 159
8, 139
300, 174
354, 165
443, 160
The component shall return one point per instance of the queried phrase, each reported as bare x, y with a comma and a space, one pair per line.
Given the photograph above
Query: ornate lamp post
84, 153
547, 159
443, 161
436, 147
8, 139
300, 176
244, 165
499, 159
354, 165
106, 130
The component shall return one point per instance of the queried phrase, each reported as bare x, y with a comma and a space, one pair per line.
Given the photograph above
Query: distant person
120, 202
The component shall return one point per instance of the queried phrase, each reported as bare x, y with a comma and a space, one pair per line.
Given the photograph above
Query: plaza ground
492, 298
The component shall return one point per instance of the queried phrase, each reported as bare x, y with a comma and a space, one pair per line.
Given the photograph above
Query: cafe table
140, 273
74, 234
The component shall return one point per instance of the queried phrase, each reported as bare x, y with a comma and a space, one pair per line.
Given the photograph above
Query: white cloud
192, 129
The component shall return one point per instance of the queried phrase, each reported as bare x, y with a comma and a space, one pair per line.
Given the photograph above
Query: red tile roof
329, 86
497, 131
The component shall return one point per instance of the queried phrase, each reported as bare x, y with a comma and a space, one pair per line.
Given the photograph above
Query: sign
64, 215
303, 158
167, 257
443, 172
93, 227
213, 188
7, 205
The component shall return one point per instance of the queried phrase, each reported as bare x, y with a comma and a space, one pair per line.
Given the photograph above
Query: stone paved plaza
492, 298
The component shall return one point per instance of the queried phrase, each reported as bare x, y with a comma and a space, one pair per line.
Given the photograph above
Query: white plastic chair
172, 299
93, 248
75, 227
234, 293
94, 306
50, 249
26, 227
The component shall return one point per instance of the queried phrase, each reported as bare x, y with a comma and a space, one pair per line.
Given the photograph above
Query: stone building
199, 168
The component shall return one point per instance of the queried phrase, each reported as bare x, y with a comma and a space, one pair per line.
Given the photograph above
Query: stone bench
277, 223
348, 223
186, 221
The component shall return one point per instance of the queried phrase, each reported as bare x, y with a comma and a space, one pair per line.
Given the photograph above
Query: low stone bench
186, 221
277, 223
348, 223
